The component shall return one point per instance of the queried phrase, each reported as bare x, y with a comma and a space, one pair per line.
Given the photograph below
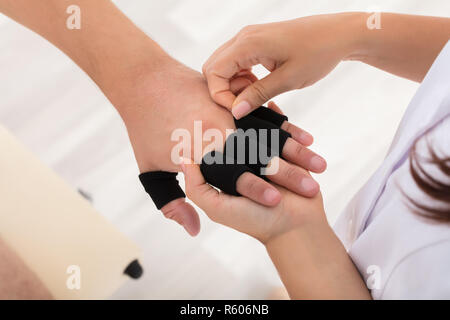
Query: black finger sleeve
162, 187
221, 173
258, 139
251, 151
251, 122
269, 115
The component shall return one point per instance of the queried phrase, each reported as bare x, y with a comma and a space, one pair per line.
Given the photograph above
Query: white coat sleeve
423, 274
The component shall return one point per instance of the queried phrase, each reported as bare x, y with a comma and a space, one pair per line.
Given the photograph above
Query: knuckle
260, 91
298, 150
213, 218
208, 69
216, 95
290, 173
249, 183
169, 214
247, 29
248, 35
205, 68
189, 192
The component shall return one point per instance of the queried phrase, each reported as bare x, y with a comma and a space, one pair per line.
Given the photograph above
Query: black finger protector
221, 173
269, 115
248, 149
162, 187
252, 122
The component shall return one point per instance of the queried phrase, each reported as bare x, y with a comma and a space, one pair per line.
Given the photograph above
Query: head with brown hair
435, 189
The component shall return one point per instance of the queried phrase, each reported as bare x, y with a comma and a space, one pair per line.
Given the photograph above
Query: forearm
108, 47
405, 45
313, 264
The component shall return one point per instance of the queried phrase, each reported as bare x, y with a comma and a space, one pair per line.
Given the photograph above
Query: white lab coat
399, 254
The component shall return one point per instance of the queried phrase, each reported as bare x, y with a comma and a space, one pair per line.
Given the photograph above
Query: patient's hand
153, 103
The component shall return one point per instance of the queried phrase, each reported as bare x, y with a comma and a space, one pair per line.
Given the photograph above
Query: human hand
310, 259
261, 222
297, 53
153, 103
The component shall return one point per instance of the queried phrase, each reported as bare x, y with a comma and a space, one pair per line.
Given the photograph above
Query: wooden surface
59, 113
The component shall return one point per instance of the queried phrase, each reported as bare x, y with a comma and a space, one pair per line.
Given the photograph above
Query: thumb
184, 214
201, 193
259, 92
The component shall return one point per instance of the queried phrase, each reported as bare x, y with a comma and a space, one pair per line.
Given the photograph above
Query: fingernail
241, 109
308, 184
318, 163
270, 195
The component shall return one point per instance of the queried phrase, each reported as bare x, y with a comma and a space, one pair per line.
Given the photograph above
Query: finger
236, 212
184, 214
168, 196
296, 179
260, 92
302, 156
219, 88
297, 133
258, 190
216, 53
222, 67
273, 106
201, 193
247, 73
237, 85
219, 74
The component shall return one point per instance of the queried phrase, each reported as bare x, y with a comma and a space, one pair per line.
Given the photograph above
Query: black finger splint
251, 122
221, 173
162, 187
270, 116
246, 150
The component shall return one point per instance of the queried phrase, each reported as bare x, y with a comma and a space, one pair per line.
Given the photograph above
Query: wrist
116, 68
307, 225
357, 36
307, 231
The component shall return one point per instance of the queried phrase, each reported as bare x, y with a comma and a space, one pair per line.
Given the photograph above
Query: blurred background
59, 113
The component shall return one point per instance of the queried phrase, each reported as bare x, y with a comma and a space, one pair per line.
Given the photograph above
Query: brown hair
433, 188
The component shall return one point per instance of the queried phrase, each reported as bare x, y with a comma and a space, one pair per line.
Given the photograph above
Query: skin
155, 94
310, 259
300, 52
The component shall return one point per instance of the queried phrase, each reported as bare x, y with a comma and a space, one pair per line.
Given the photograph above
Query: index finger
220, 89
258, 190
220, 70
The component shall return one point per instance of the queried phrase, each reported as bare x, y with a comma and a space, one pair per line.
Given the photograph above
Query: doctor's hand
310, 259
261, 222
297, 53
